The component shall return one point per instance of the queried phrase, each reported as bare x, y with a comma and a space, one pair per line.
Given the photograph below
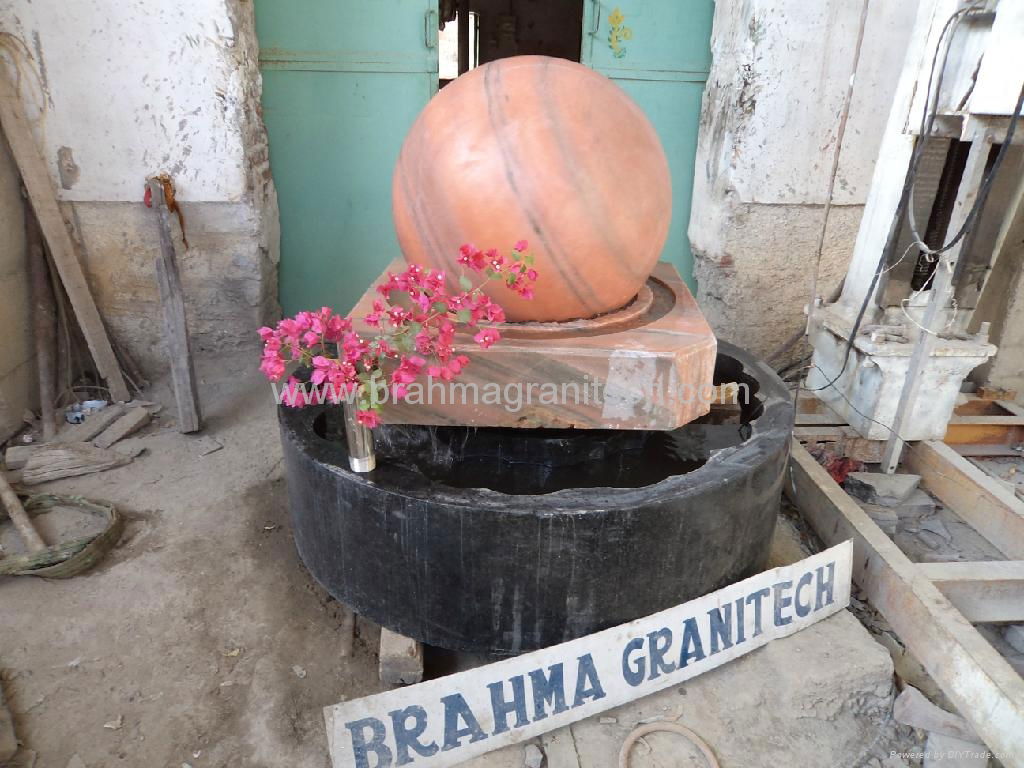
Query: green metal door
342, 83
659, 52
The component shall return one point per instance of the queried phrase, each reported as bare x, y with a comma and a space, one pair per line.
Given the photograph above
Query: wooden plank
1002, 421
1013, 408
847, 442
984, 429
43, 197
981, 684
972, 405
985, 450
819, 419
92, 425
9, 500
992, 510
132, 421
172, 304
983, 591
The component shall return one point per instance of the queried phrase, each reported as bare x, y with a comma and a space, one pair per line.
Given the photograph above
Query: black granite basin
505, 540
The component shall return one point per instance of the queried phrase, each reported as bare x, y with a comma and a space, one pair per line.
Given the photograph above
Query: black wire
854, 408
927, 123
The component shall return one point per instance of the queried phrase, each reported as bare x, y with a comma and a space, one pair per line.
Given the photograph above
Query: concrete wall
768, 129
120, 91
18, 389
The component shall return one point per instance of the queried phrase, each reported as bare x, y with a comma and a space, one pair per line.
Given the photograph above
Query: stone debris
920, 504
205, 445
943, 751
299, 672
1013, 634
532, 756
880, 488
936, 526
913, 708
76, 762
115, 725
884, 517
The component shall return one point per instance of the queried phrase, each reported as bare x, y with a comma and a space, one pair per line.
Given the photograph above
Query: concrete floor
201, 640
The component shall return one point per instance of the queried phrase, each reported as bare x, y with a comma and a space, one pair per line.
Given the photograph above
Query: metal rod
938, 301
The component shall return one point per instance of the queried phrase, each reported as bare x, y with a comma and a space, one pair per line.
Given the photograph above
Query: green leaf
465, 283
463, 315
415, 328
529, 259
439, 306
491, 274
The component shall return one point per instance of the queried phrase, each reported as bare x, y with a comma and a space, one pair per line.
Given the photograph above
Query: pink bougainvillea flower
272, 366
368, 419
486, 337
434, 281
416, 330
520, 246
292, 393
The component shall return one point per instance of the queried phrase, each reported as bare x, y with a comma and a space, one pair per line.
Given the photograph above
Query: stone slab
884, 517
880, 488
401, 659
650, 372
920, 504
818, 698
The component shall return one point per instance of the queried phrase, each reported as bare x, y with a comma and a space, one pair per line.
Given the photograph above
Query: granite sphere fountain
514, 522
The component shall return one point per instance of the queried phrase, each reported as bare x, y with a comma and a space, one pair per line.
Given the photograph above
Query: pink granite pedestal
648, 365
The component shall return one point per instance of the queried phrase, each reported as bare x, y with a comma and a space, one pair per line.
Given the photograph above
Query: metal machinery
891, 354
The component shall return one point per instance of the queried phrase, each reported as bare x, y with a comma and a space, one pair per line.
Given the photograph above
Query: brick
401, 659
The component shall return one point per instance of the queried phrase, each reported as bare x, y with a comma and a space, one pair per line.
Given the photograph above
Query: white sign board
446, 721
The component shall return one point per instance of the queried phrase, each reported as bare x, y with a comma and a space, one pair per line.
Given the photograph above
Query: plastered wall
768, 130
119, 91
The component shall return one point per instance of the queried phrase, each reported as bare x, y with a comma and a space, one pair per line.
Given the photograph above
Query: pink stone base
651, 370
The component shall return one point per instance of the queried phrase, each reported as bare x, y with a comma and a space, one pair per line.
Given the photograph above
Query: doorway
474, 32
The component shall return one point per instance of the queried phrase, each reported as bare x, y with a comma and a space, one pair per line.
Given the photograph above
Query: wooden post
43, 197
979, 499
172, 304
984, 592
44, 323
19, 517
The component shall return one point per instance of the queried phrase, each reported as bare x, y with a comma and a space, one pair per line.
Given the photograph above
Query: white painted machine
891, 354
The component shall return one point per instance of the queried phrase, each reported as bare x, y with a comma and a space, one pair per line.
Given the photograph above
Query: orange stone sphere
545, 150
